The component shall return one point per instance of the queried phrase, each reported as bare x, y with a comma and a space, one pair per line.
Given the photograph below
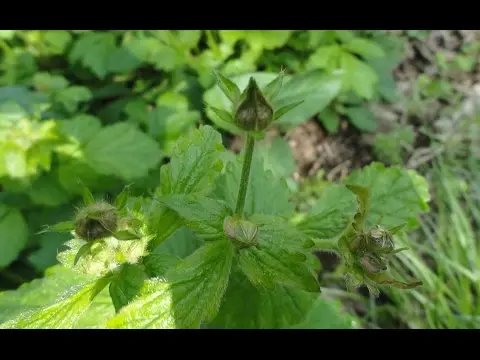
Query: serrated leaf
182, 243
325, 57
13, 234
278, 257
364, 47
94, 50
126, 285
72, 97
122, 150
325, 315
194, 165
394, 198
57, 39
258, 201
157, 263
361, 118
63, 314
38, 293
204, 216
191, 293
332, 214
248, 307
122, 60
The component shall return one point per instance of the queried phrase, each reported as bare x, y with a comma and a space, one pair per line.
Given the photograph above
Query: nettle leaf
326, 314
332, 214
82, 127
330, 119
194, 164
94, 50
72, 97
63, 314
396, 195
157, 263
365, 48
122, 150
126, 285
13, 234
203, 215
275, 201
190, 294
39, 292
248, 307
182, 243
279, 256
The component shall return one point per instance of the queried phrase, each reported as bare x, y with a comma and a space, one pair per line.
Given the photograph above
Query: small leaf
361, 118
13, 234
272, 89
125, 235
385, 279
285, 109
88, 198
126, 285
222, 114
158, 263
82, 251
64, 226
122, 198
228, 87
363, 197
330, 120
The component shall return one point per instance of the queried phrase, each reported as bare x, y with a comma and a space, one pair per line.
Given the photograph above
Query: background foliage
104, 109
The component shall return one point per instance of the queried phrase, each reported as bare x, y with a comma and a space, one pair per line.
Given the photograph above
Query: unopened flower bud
253, 113
243, 233
372, 263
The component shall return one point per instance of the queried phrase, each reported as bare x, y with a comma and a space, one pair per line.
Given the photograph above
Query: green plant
215, 246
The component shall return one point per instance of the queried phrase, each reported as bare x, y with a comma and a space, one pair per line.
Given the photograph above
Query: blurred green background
104, 108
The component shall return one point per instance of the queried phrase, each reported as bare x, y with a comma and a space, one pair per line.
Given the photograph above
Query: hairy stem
247, 162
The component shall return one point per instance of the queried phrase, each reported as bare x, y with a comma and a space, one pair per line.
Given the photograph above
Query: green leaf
365, 48
258, 201
72, 97
203, 215
361, 118
122, 60
330, 120
325, 57
47, 191
279, 256
285, 109
158, 263
326, 315
248, 307
38, 293
122, 150
194, 165
94, 50
13, 234
358, 76
126, 285
81, 127
49, 83
182, 243
57, 40
63, 314
191, 293
332, 214
315, 88
394, 197
272, 89
228, 87
223, 114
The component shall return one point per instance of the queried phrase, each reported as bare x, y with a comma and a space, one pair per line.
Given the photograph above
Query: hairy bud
96, 221
253, 113
243, 233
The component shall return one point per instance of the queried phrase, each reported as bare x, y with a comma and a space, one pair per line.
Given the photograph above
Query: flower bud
372, 263
96, 221
253, 113
243, 233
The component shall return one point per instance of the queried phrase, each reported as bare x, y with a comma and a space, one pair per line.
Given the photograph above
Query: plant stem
247, 162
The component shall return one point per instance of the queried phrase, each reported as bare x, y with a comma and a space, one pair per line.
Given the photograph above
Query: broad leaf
82, 128
126, 285
364, 47
361, 118
13, 234
332, 214
203, 215
395, 197
122, 150
191, 293
63, 314
266, 194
